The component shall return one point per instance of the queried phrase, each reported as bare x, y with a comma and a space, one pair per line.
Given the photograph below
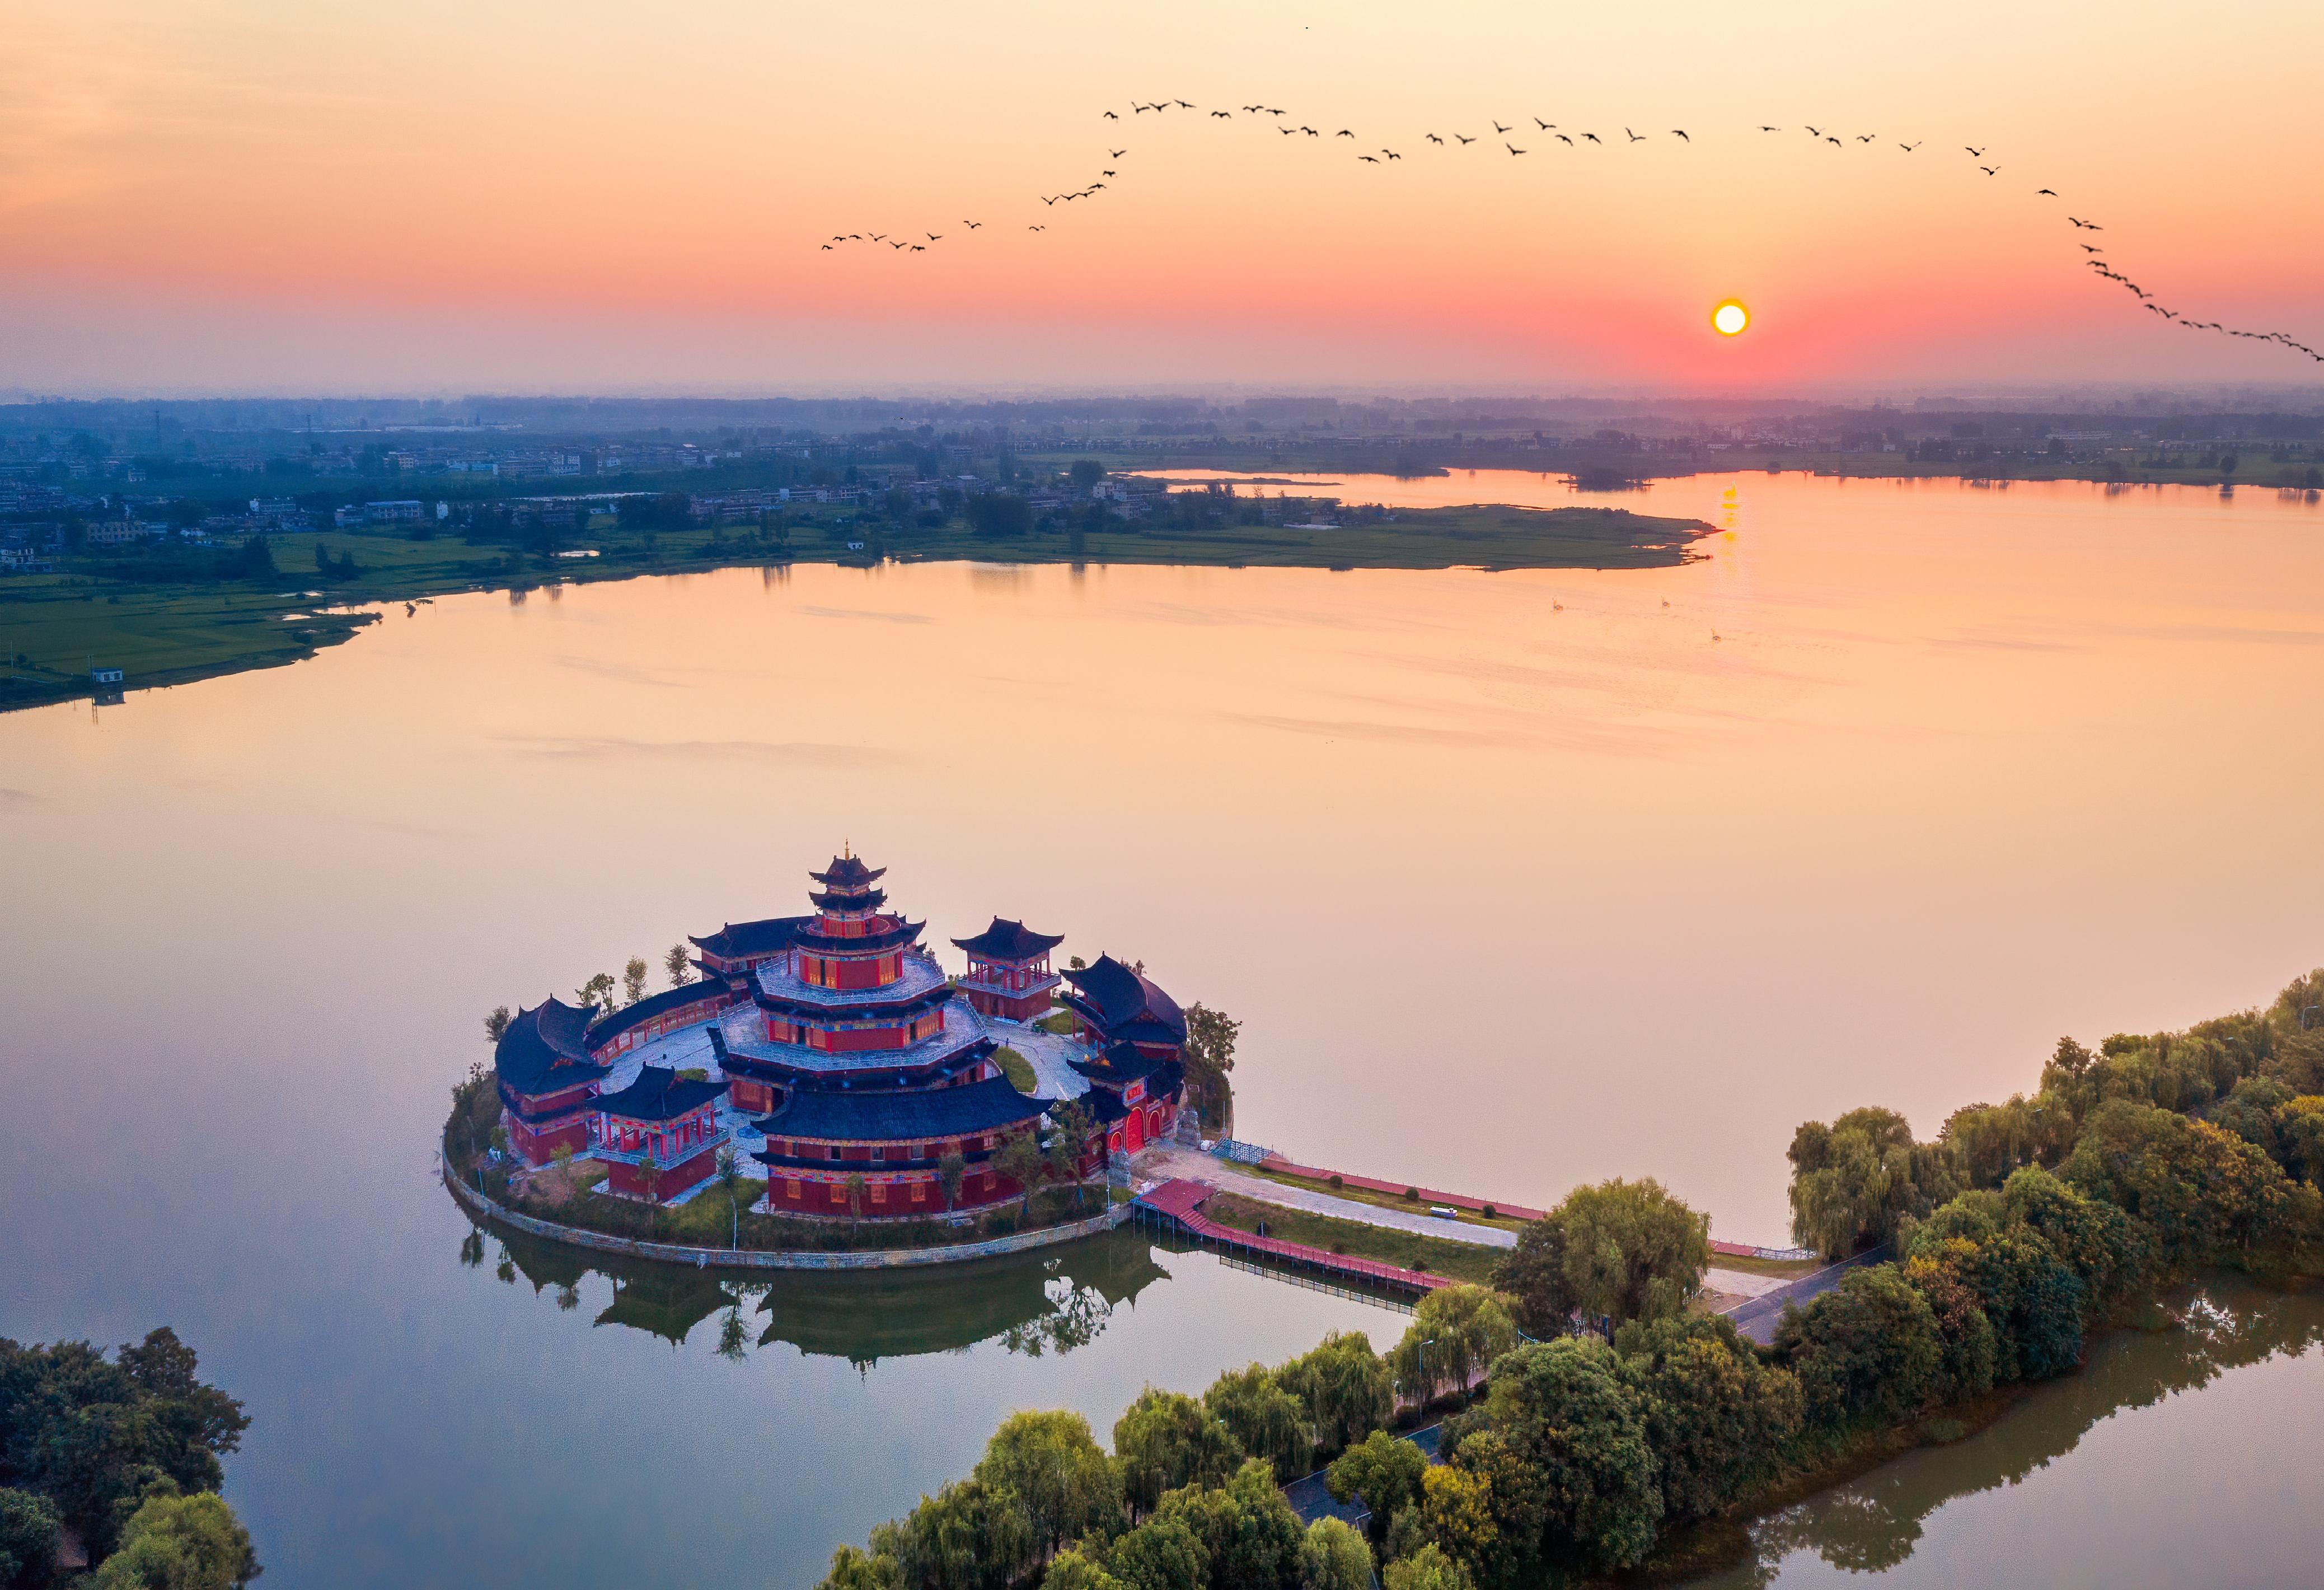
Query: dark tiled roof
737, 939
1009, 941
898, 932
542, 1050
659, 1093
856, 900
607, 1028
848, 871
1121, 1064
876, 1117
1119, 997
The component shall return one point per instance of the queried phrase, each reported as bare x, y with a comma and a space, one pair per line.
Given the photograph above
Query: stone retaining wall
477, 1204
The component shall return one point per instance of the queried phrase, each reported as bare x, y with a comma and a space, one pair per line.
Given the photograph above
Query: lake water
1516, 881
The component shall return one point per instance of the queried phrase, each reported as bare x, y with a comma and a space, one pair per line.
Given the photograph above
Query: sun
1729, 317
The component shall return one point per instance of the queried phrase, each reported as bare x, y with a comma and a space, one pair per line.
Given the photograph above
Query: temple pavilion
836, 1051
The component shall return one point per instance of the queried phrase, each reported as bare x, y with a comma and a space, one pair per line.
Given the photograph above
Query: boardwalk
1179, 1202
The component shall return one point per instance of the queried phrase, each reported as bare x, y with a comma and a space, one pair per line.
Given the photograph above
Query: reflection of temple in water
1049, 1299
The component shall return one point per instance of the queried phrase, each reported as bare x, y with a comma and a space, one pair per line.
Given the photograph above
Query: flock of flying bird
2094, 255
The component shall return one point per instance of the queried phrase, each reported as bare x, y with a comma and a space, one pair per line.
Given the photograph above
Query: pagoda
868, 1065
1008, 974
659, 1135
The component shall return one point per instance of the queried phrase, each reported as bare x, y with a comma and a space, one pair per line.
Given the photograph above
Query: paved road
1163, 1163
1200, 1167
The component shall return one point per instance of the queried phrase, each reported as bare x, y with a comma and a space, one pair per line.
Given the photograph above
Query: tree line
113, 1462
1600, 1414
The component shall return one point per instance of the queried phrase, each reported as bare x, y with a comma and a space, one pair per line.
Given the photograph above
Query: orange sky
269, 196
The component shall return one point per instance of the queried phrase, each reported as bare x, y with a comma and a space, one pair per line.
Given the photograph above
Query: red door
1136, 1128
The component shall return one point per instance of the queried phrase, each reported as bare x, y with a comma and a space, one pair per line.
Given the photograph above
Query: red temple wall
536, 1146
627, 1178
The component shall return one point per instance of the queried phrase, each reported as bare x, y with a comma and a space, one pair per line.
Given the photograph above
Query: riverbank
107, 611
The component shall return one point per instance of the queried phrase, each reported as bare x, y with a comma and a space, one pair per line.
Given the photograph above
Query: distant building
105, 675
395, 513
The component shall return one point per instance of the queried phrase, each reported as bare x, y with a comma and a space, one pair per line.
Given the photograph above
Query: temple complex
834, 1051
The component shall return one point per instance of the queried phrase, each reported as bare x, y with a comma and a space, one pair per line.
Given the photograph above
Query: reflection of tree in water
1049, 1300
1874, 1523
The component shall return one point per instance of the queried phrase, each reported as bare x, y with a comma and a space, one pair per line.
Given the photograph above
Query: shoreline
698, 1258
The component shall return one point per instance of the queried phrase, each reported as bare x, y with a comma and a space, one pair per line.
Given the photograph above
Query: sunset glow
275, 196
1730, 317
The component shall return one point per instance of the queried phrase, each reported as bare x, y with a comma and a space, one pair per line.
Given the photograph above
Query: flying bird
1288, 131
1562, 138
936, 237
1227, 113
1990, 171
1116, 153
919, 248
1680, 132
1183, 104
2089, 248
1543, 125
1815, 131
1369, 159
2052, 192
1513, 149
1865, 137
972, 226
826, 248
1592, 136
1498, 127
2085, 226
1634, 137
1763, 128
1343, 132
1433, 138
1036, 229
1974, 153
1908, 148
1111, 117
1465, 140
1835, 143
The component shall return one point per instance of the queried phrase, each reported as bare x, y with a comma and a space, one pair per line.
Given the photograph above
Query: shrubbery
2021, 1229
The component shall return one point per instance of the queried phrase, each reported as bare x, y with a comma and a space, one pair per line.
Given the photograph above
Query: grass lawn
1358, 1194
1436, 1255
1788, 1268
1017, 1069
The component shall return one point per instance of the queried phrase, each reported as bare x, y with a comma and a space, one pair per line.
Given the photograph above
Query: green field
54, 627
1435, 1254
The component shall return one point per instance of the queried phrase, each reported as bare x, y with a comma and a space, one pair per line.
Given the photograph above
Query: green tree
1867, 1350
1427, 1569
1532, 1274
1717, 1416
856, 1189
1632, 1251
1209, 1057
598, 993
1161, 1554
1266, 1421
678, 966
1333, 1556
952, 1170
2205, 1194
1021, 1161
853, 1568
1068, 1141
1248, 1530
965, 1537
1455, 1332
1349, 1391
1385, 1471
730, 1179
633, 980
181, 1543
999, 515
1855, 1182
1567, 1409
1085, 473
1164, 1441
30, 1529
1058, 1474
1072, 1569
496, 1025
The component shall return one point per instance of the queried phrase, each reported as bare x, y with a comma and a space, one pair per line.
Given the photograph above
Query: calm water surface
1516, 881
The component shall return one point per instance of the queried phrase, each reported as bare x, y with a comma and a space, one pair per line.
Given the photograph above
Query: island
832, 1085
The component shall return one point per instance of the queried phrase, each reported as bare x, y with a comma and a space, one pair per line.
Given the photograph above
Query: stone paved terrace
746, 1034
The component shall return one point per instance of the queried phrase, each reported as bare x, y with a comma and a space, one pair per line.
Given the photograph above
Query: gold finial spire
847, 850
